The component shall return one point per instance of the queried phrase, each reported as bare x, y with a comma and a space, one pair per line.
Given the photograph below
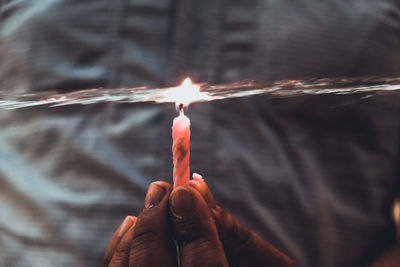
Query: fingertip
201, 186
153, 231
196, 184
133, 219
190, 213
197, 176
156, 193
125, 227
195, 229
126, 224
186, 204
163, 184
181, 202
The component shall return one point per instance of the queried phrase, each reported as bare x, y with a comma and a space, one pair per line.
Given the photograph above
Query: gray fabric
315, 176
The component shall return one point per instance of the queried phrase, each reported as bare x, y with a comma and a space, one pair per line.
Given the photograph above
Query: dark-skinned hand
206, 234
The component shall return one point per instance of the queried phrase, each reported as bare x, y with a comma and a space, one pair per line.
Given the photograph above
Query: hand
148, 239
242, 246
206, 235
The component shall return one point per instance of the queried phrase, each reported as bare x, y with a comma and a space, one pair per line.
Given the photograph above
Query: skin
242, 246
205, 234
389, 259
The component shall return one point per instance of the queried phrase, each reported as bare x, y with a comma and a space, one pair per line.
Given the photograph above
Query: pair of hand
206, 235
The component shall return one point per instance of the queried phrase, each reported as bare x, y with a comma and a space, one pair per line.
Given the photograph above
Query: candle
182, 95
181, 148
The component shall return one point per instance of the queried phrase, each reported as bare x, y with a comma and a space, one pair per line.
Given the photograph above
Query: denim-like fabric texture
315, 176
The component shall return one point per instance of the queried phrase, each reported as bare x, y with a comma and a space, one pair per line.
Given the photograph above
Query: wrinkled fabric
315, 176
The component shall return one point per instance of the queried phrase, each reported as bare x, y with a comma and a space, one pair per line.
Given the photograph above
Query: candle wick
181, 109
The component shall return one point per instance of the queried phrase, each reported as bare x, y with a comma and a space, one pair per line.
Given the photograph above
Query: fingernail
181, 202
197, 177
126, 224
154, 195
197, 180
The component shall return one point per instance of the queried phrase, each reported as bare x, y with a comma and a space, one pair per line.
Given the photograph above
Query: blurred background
316, 176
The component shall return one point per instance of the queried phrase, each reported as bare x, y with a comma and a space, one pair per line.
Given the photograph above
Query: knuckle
205, 252
195, 234
122, 248
145, 235
118, 260
150, 227
202, 243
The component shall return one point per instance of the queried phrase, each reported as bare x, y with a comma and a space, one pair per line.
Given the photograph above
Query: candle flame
185, 94
187, 82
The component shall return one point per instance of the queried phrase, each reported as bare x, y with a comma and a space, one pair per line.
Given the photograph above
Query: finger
116, 237
152, 243
200, 185
242, 246
120, 258
195, 229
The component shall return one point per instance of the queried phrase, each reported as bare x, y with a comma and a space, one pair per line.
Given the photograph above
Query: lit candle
181, 148
182, 95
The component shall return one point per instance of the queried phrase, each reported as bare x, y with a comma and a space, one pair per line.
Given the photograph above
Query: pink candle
181, 148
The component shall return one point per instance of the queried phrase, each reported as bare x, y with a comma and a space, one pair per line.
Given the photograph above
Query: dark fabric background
316, 176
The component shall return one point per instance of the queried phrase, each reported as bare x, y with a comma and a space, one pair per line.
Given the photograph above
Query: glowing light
185, 94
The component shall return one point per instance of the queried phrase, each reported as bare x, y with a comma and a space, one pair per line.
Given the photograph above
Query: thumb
152, 241
195, 229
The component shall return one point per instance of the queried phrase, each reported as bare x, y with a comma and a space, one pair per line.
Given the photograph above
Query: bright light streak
185, 94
